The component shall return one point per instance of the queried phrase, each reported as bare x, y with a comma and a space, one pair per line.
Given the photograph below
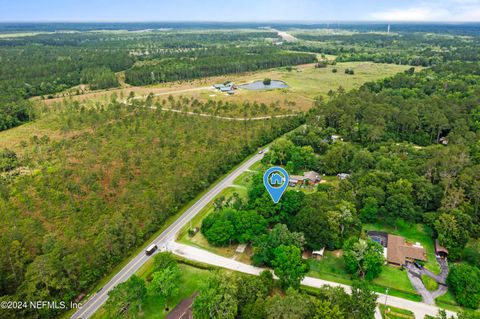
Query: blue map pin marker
275, 180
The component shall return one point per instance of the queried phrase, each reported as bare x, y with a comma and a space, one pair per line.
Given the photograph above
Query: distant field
305, 82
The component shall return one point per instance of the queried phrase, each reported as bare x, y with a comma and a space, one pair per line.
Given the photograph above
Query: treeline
95, 197
220, 107
416, 49
229, 61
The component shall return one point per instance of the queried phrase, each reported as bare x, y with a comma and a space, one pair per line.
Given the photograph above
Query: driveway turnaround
98, 299
419, 309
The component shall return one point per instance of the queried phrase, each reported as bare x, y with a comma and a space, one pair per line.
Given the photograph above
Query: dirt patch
183, 310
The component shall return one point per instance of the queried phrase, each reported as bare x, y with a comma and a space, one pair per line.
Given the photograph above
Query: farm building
229, 87
308, 178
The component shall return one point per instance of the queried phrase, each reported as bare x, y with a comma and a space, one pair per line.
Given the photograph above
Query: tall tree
126, 299
165, 283
293, 305
289, 266
363, 257
217, 299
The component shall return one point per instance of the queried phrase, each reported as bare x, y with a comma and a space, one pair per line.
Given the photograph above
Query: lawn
390, 312
331, 267
448, 302
429, 283
413, 233
392, 277
190, 281
244, 180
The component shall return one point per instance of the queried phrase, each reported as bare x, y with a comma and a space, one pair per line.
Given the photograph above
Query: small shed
318, 254
241, 248
336, 138
440, 251
343, 175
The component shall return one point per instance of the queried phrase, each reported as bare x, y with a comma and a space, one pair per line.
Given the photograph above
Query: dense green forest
416, 49
411, 145
73, 209
44, 64
220, 62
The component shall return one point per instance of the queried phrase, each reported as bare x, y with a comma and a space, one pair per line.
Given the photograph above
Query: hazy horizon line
247, 21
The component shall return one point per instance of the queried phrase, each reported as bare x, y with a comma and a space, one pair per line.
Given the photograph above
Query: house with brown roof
308, 178
399, 251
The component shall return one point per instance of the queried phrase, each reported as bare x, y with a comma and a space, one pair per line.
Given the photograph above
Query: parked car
418, 265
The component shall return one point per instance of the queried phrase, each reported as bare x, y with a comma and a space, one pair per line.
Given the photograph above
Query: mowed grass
153, 307
447, 301
332, 267
312, 82
394, 278
429, 283
390, 312
413, 233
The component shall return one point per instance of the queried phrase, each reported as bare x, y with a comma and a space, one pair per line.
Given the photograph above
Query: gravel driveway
415, 275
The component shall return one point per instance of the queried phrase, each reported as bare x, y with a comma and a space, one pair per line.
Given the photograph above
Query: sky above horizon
240, 10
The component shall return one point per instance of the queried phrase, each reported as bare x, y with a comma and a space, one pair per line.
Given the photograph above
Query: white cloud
449, 10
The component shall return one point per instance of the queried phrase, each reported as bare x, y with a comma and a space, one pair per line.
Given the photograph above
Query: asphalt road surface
98, 299
419, 309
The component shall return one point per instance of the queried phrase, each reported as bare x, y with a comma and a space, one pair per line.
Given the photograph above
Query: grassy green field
394, 278
305, 83
190, 280
413, 233
312, 82
448, 302
331, 267
390, 312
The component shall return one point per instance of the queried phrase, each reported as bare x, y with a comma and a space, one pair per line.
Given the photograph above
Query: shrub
464, 282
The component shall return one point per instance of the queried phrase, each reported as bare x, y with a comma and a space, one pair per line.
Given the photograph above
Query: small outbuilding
440, 251
343, 176
318, 254
241, 248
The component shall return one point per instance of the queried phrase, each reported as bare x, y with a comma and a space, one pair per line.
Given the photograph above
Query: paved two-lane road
97, 300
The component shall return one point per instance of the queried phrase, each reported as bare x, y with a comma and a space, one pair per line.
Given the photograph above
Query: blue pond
258, 85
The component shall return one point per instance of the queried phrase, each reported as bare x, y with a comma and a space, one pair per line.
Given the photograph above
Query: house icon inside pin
276, 179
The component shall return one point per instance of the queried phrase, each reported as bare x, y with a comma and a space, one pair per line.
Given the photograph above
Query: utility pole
386, 296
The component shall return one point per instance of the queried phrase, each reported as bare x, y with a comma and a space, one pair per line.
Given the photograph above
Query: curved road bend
99, 298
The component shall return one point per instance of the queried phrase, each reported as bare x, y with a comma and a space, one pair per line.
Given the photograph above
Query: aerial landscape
254, 160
